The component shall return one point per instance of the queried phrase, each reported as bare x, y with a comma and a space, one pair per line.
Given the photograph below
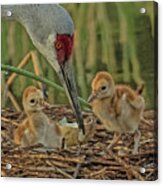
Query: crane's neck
43, 23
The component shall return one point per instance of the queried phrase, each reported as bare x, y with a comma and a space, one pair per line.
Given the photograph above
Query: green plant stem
38, 78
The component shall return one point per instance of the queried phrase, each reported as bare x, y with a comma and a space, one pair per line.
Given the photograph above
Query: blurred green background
114, 37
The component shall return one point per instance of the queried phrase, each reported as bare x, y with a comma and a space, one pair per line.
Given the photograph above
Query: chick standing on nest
36, 128
117, 106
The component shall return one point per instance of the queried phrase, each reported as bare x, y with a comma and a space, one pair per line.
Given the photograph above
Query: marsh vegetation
114, 37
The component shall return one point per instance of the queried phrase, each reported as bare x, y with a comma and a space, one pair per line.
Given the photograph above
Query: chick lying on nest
36, 128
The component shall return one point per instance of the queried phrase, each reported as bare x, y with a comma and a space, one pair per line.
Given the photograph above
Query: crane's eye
103, 88
58, 45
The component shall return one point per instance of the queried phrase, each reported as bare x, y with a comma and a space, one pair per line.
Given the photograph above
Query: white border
41, 182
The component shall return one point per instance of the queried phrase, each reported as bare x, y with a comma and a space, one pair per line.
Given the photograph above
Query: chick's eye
58, 45
32, 101
103, 88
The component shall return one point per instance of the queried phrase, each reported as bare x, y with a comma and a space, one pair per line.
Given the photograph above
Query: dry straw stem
21, 65
25, 60
9, 121
13, 100
129, 169
46, 157
36, 65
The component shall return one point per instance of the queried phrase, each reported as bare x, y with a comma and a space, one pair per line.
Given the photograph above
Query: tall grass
106, 38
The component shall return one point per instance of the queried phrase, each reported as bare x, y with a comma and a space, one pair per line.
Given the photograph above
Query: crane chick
119, 107
35, 128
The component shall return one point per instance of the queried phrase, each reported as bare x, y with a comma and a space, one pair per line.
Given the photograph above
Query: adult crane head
51, 29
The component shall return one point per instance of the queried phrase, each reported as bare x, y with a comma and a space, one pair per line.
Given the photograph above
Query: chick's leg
116, 138
137, 137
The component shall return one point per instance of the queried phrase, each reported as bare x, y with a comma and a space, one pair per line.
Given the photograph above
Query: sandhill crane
51, 30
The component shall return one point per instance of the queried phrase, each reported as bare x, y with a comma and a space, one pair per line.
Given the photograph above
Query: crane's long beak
67, 77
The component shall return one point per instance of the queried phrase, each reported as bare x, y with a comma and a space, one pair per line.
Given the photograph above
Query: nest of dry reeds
88, 161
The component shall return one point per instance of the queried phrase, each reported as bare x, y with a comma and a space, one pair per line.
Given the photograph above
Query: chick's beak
67, 78
92, 97
44, 104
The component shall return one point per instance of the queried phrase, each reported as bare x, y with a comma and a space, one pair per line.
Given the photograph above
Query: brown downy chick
119, 107
35, 128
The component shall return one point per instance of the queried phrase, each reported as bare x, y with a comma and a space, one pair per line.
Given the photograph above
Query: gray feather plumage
41, 20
